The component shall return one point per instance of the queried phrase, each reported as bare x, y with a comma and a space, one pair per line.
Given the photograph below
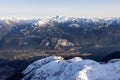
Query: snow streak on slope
56, 68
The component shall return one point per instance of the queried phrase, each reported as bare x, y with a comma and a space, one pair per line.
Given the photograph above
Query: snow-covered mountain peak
55, 68
59, 19
40, 22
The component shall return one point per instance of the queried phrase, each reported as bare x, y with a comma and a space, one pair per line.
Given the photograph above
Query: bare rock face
56, 68
63, 42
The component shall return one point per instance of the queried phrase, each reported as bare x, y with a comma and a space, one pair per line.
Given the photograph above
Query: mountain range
23, 41
89, 36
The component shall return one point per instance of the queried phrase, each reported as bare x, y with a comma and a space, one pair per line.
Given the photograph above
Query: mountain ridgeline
96, 36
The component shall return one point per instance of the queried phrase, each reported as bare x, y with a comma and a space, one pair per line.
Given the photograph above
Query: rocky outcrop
56, 68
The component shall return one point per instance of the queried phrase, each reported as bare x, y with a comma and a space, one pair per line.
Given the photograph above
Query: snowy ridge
72, 22
56, 68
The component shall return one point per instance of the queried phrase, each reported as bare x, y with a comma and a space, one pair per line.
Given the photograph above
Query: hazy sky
50, 8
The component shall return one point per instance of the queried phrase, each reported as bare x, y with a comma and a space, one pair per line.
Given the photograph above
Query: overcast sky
50, 8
